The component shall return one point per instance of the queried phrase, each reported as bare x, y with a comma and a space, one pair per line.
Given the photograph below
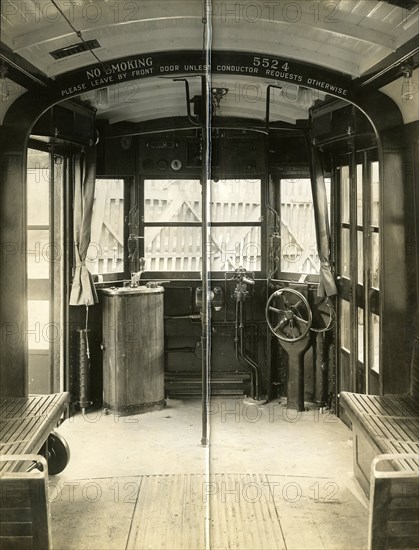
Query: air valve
243, 278
215, 298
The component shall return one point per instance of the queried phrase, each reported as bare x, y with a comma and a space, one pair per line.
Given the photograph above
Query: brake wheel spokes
281, 324
292, 326
300, 319
276, 310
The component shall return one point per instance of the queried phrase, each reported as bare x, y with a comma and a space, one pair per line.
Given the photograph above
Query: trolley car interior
209, 274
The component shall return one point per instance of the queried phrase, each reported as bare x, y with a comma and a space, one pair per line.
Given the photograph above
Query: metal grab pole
205, 314
206, 190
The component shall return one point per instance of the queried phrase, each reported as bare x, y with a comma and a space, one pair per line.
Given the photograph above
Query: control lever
155, 284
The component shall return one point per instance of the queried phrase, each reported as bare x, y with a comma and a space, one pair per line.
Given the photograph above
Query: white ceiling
348, 36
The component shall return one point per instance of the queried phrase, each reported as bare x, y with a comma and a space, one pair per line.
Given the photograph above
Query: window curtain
83, 292
327, 286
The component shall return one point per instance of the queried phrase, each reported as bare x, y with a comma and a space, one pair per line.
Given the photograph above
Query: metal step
184, 385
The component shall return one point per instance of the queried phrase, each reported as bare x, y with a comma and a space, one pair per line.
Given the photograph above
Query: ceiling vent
81, 47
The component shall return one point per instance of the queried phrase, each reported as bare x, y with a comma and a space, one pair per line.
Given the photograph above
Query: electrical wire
78, 33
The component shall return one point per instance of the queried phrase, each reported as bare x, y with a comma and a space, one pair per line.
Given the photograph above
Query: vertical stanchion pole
206, 192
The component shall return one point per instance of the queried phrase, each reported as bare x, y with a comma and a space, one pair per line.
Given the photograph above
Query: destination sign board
192, 62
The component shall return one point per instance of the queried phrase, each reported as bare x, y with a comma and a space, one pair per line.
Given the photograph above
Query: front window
172, 225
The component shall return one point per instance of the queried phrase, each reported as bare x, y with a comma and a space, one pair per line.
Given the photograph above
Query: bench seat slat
9, 405
394, 428
400, 406
33, 405
23, 406
17, 543
25, 423
18, 429
15, 529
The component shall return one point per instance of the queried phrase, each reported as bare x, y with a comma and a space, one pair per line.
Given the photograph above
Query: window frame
196, 275
295, 275
52, 287
359, 295
128, 182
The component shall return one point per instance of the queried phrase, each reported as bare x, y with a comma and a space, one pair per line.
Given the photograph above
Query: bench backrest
24, 507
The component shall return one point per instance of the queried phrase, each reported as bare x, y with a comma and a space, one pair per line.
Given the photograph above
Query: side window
106, 251
358, 252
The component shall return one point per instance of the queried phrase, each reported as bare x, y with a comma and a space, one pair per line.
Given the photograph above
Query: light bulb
408, 90
102, 98
408, 86
304, 97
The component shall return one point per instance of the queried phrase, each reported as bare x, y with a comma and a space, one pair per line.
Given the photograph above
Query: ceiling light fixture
409, 88
4, 87
101, 100
305, 97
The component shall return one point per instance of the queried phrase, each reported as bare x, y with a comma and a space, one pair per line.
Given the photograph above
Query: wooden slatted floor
243, 511
189, 512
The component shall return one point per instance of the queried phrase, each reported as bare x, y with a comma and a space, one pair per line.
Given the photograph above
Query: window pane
375, 194
38, 196
235, 201
38, 174
345, 326
232, 247
178, 248
172, 201
360, 335
106, 250
375, 260
359, 193
40, 332
360, 258
375, 342
344, 194
298, 233
173, 248
39, 254
344, 252
181, 201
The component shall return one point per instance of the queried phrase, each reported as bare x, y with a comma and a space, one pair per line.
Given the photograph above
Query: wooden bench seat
381, 425
26, 423
24, 506
394, 504
386, 424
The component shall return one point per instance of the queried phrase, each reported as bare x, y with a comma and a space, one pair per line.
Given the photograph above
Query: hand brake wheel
288, 315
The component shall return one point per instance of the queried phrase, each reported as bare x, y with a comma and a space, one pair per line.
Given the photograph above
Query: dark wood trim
24, 73
389, 68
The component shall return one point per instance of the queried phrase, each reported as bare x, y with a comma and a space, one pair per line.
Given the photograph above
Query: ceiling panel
348, 36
